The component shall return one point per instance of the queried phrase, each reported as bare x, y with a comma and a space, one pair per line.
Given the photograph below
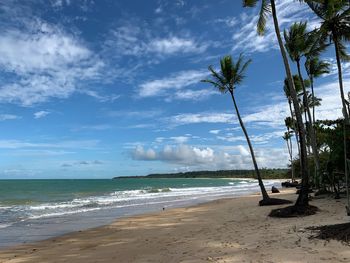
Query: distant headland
265, 173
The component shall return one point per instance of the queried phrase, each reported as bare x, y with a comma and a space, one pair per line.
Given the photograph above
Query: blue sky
96, 89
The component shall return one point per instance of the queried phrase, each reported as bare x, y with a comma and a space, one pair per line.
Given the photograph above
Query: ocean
33, 210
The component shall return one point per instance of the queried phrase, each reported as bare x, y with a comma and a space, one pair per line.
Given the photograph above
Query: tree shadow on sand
340, 232
294, 211
274, 201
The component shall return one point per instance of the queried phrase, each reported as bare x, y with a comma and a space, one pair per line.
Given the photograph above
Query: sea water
32, 210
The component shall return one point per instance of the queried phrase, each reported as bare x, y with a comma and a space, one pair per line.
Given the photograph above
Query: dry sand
227, 230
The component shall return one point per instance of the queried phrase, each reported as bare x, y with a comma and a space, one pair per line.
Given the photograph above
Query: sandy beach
226, 230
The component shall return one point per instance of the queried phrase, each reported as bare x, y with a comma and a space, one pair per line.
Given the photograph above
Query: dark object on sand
274, 190
274, 201
294, 211
339, 232
290, 184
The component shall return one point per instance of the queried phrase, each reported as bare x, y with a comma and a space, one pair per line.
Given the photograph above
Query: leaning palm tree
231, 74
267, 7
315, 68
298, 43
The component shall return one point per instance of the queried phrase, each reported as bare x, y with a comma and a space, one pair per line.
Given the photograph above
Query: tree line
322, 145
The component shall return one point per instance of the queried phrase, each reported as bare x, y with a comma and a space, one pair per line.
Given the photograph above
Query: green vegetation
322, 160
269, 7
265, 174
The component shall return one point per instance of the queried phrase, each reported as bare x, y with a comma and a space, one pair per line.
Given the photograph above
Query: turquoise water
32, 210
19, 192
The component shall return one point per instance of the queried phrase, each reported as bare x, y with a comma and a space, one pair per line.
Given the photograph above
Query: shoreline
224, 230
54, 219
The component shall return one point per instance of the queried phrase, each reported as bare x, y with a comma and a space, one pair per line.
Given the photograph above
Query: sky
104, 88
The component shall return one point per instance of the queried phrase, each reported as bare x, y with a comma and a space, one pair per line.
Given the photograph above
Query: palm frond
344, 56
297, 41
264, 12
316, 67
249, 3
241, 69
222, 89
230, 75
217, 77
318, 8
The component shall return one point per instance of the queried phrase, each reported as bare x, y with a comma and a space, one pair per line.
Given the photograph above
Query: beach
34, 210
224, 230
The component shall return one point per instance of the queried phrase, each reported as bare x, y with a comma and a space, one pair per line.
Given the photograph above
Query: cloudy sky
96, 89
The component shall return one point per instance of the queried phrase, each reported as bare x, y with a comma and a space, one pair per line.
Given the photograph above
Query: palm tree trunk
290, 151
303, 198
313, 121
346, 121
310, 126
295, 128
313, 98
340, 79
261, 184
291, 158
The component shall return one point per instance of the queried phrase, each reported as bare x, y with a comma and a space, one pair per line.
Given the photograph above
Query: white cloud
41, 114
229, 21
99, 97
214, 131
207, 158
144, 114
173, 45
158, 10
140, 153
334, 69
18, 144
180, 154
135, 38
180, 139
262, 138
194, 95
162, 87
272, 115
247, 39
331, 106
46, 62
60, 3
82, 163
193, 118
5, 117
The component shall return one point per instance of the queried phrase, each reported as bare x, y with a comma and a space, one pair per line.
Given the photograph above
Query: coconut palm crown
335, 25
231, 74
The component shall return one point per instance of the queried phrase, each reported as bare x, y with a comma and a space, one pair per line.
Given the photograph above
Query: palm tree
299, 43
315, 68
335, 24
231, 74
288, 138
267, 7
286, 90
